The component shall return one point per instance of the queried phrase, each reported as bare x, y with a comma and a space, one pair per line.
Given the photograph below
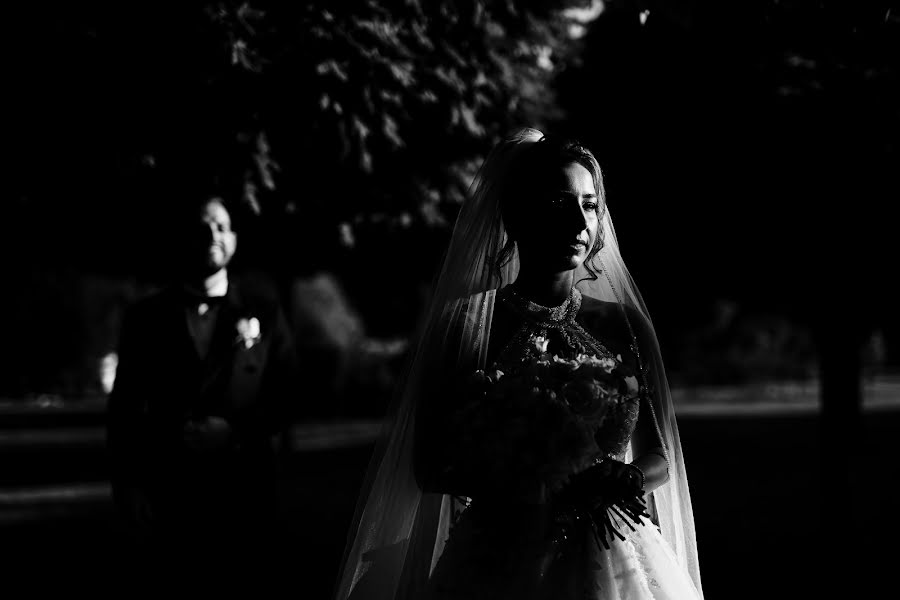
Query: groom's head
210, 239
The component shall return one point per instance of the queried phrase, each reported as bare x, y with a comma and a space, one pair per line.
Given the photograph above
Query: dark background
749, 150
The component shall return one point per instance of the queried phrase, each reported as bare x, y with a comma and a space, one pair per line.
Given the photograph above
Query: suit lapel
186, 351
223, 345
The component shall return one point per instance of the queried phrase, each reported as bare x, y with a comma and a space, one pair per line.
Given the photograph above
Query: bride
479, 488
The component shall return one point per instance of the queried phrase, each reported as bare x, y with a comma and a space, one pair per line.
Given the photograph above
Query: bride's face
561, 221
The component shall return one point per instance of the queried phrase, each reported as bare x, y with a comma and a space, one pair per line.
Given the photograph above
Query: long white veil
399, 531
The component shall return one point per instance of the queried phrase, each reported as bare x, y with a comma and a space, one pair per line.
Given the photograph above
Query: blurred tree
345, 113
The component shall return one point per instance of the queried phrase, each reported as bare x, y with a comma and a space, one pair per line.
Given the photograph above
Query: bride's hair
533, 164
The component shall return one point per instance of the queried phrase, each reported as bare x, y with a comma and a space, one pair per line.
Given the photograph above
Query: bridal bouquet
545, 429
537, 427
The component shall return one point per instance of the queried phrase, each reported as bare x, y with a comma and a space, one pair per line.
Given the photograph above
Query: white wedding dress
490, 555
493, 547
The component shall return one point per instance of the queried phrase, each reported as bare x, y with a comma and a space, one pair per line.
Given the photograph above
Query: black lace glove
594, 497
605, 482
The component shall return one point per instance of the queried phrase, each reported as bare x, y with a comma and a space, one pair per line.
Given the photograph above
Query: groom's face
215, 242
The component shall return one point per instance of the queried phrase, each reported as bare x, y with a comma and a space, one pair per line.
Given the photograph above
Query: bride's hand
607, 480
628, 477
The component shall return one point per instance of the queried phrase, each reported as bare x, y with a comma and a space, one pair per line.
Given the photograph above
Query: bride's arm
430, 442
439, 447
648, 451
436, 400
647, 447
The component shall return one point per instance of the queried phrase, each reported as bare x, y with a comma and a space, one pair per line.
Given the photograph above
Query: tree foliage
396, 97
345, 112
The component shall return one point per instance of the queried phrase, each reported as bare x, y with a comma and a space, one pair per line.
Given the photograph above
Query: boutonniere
249, 332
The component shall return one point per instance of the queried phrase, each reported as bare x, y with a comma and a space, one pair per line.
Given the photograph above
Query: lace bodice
567, 338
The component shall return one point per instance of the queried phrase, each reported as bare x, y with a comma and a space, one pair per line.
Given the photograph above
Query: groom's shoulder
256, 291
151, 302
157, 297
259, 297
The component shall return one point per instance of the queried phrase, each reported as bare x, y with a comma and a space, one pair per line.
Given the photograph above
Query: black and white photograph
451, 300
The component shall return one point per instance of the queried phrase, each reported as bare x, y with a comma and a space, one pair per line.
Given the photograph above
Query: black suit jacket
162, 382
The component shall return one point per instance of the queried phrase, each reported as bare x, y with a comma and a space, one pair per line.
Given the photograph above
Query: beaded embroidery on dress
493, 547
567, 338
555, 324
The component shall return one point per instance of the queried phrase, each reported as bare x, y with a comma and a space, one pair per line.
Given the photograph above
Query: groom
205, 382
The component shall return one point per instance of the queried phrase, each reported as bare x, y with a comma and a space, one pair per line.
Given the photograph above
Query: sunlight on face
219, 241
563, 222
